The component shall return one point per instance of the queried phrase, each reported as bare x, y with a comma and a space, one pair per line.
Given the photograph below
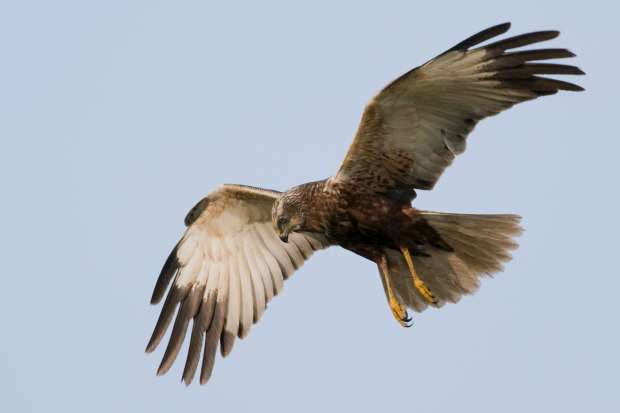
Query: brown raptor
242, 242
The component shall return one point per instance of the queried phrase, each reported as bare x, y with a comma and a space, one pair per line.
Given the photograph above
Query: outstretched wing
226, 268
412, 130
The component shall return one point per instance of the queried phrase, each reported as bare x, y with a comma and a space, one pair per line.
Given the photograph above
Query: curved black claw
407, 321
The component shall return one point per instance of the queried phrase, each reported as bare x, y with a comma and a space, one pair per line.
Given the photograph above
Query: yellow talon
399, 311
417, 282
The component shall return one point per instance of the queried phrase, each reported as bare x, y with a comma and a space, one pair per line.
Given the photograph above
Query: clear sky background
116, 116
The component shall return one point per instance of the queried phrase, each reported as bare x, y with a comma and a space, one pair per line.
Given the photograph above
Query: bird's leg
417, 282
399, 311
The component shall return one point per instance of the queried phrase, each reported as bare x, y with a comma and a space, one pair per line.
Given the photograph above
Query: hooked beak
284, 235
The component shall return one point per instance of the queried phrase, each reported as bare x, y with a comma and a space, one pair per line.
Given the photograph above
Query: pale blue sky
116, 116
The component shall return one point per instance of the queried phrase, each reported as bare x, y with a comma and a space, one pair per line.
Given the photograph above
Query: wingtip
547, 34
163, 367
481, 36
228, 339
570, 87
503, 27
151, 346
553, 33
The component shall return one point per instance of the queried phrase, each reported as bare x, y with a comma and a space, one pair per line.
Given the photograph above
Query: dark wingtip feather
227, 341
167, 272
513, 59
211, 341
193, 357
202, 321
543, 86
562, 85
562, 53
553, 69
150, 347
187, 311
174, 297
528, 70
482, 36
523, 40
575, 88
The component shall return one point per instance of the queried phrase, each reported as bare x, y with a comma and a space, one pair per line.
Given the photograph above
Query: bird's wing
226, 268
412, 130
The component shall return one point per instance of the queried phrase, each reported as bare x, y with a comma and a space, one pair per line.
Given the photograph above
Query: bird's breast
366, 220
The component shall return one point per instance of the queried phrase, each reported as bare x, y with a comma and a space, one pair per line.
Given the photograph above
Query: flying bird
242, 242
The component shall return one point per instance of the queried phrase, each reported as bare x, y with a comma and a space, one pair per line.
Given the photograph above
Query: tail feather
481, 244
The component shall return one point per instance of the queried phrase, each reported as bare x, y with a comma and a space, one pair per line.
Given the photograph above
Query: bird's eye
282, 221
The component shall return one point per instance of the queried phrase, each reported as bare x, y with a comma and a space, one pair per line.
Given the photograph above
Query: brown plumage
242, 242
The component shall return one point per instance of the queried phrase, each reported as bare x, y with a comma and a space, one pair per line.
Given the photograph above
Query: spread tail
479, 244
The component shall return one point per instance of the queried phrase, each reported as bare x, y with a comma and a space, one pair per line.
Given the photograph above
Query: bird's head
288, 214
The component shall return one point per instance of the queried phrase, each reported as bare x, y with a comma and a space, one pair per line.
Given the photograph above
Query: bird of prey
242, 242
